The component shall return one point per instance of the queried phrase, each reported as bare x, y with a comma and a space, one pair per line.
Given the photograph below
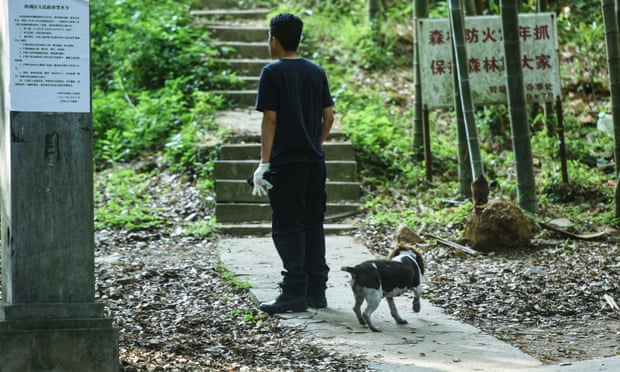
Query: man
297, 107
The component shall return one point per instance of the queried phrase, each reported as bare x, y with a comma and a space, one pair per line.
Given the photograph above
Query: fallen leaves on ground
550, 300
174, 311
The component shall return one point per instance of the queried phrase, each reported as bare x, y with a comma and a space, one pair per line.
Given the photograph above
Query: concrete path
432, 341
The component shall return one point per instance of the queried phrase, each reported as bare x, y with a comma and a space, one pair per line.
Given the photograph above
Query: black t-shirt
298, 91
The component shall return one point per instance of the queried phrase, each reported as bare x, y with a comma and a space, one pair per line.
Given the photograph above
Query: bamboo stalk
526, 185
467, 107
610, 19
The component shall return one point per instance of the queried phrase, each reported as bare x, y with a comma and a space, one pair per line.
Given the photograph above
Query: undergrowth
155, 100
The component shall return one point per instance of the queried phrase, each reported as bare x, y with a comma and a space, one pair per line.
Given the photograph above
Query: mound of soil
496, 226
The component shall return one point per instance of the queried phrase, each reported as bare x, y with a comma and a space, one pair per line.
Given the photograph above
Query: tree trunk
421, 11
612, 40
526, 185
466, 104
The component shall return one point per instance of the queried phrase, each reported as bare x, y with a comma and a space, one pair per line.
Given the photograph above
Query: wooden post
421, 11
428, 159
49, 319
560, 115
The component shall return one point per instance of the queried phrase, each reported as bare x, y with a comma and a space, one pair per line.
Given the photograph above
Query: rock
404, 234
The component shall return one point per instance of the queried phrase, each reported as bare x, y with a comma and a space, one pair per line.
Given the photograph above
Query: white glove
260, 184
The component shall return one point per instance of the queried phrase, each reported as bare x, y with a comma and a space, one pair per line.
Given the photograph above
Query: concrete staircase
245, 32
242, 33
238, 212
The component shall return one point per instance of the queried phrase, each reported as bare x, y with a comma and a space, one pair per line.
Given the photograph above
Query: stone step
243, 127
231, 14
250, 151
244, 66
337, 170
261, 212
218, 4
247, 83
264, 229
244, 49
238, 32
238, 98
239, 191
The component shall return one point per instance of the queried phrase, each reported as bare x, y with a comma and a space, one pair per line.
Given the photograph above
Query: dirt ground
172, 306
175, 311
553, 300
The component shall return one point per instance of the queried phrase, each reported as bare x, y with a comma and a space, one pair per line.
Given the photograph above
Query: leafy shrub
141, 44
125, 129
151, 66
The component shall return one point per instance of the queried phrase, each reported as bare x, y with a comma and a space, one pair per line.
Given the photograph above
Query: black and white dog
372, 280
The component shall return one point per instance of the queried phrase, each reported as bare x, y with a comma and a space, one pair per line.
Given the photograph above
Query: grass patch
231, 279
124, 200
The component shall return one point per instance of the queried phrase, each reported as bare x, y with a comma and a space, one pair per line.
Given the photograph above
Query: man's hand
260, 184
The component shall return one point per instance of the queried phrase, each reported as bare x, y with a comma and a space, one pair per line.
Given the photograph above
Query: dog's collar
411, 257
408, 255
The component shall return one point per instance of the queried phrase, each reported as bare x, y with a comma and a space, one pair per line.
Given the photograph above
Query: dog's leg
394, 312
359, 299
373, 299
417, 292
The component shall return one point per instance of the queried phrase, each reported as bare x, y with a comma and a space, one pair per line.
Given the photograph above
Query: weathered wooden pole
49, 319
420, 11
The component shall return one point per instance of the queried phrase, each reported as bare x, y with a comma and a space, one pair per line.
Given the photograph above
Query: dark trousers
297, 201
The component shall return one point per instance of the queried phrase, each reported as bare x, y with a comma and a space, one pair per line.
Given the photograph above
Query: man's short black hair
287, 29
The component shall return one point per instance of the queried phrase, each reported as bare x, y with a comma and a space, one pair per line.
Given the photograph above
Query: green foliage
395, 179
247, 314
203, 229
125, 201
231, 279
343, 32
151, 68
147, 43
182, 149
583, 40
147, 100
165, 118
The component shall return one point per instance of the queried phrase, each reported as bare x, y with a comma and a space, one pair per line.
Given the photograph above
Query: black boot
285, 303
315, 296
317, 301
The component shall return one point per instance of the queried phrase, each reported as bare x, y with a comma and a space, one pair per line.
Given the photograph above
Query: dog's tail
353, 270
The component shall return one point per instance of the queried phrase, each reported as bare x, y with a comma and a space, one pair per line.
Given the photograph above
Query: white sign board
49, 55
486, 62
